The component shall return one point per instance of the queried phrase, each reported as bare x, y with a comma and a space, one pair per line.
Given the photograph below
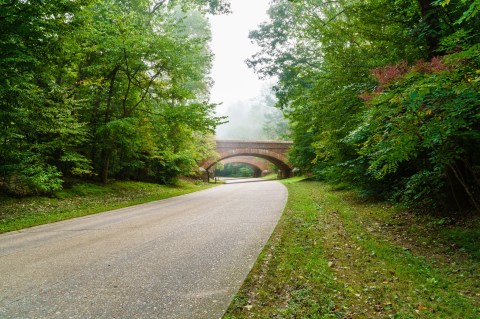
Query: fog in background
233, 80
241, 95
254, 119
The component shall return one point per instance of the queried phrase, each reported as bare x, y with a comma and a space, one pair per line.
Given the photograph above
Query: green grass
334, 256
467, 239
84, 199
271, 176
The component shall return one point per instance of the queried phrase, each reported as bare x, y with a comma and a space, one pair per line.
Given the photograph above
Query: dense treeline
382, 95
103, 89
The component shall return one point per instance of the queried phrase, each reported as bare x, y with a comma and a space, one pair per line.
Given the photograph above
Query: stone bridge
273, 151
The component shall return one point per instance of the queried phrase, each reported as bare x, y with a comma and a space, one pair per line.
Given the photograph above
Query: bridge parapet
281, 146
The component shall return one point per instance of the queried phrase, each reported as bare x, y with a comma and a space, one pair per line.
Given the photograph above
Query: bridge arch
272, 151
259, 166
257, 171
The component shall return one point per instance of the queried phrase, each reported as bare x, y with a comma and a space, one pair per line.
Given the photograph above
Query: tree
422, 125
90, 84
38, 127
352, 79
148, 67
323, 54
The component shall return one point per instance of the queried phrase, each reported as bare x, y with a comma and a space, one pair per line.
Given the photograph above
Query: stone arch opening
276, 159
274, 152
259, 166
257, 171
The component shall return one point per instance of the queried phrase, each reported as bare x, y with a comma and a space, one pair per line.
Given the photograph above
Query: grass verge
271, 176
85, 199
334, 256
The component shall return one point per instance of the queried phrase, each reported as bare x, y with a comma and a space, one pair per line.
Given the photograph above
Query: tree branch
12, 3
157, 6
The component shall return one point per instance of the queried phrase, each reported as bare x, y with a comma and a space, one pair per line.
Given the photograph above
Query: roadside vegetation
85, 199
380, 95
333, 255
270, 176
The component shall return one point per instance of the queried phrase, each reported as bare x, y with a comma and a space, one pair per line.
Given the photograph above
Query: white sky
234, 81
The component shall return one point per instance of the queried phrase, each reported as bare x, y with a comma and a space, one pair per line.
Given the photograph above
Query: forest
103, 89
381, 95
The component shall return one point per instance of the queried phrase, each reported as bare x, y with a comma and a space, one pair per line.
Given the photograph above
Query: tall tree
350, 74
38, 127
148, 66
96, 87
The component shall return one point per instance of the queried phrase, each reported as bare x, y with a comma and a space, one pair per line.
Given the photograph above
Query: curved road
184, 257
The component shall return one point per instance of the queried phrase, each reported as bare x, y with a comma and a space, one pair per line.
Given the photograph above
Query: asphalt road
184, 257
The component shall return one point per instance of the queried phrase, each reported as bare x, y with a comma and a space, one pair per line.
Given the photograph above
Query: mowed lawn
334, 256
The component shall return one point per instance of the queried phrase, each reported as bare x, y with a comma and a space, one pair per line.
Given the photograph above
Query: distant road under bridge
259, 166
272, 151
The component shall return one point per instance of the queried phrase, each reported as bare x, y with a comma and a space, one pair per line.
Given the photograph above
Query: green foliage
422, 189
234, 170
466, 238
381, 95
100, 89
426, 119
471, 12
39, 131
40, 179
323, 54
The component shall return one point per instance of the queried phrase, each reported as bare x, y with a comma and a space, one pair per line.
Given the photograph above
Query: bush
426, 118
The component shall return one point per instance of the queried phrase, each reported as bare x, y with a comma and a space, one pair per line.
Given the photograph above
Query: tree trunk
112, 76
430, 15
107, 151
460, 188
106, 155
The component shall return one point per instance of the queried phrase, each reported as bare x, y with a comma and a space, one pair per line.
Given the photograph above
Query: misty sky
234, 81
